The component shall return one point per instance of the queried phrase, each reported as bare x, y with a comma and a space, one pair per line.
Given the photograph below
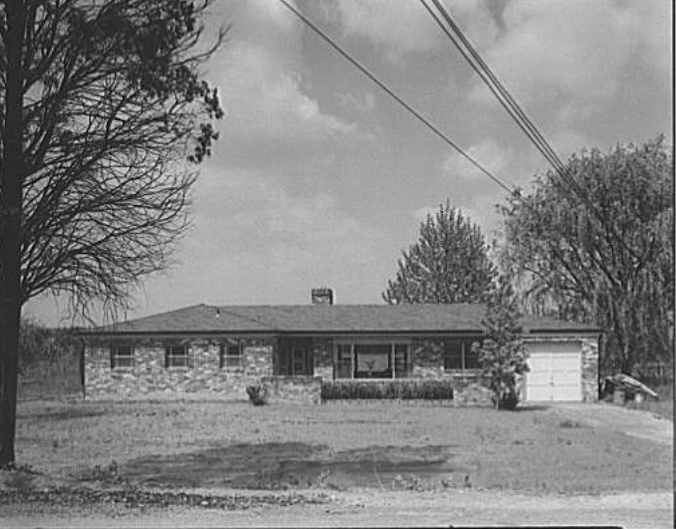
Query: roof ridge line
250, 318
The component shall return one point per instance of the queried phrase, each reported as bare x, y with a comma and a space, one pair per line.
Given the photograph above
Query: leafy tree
502, 355
448, 264
39, 344
616, 271
104, 113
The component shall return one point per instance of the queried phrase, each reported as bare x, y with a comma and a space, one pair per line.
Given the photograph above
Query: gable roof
326, 319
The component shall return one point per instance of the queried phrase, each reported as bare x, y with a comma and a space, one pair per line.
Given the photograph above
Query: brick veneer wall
149, 378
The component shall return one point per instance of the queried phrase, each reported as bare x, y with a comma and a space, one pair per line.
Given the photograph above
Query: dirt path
376, 508
637, 423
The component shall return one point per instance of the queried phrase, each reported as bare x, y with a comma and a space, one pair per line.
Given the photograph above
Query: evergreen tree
502, 354
448, 264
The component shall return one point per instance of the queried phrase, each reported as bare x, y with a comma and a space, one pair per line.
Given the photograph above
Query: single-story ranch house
215, 352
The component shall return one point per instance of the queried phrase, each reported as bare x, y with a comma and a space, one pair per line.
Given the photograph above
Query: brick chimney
322, 296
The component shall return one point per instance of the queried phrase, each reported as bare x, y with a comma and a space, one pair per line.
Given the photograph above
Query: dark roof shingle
433, 318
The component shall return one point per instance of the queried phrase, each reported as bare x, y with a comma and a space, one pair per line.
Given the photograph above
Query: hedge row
390, 389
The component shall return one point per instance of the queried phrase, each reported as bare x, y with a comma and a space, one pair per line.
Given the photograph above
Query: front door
295, 357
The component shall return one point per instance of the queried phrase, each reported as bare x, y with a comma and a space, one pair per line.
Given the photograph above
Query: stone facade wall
150, 379
590, 370
473, 394
296, 390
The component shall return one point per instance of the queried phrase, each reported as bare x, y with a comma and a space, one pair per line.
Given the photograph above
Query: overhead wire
489, 78
512, 191
398, 99
515, 111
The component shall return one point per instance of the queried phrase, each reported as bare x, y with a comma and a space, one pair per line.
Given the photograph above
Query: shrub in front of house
258, 394
502, 355
387, 389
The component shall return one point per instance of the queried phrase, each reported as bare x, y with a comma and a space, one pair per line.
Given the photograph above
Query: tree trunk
10, 228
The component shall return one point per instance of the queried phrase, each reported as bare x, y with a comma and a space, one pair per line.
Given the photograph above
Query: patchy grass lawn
664, 407
338, 445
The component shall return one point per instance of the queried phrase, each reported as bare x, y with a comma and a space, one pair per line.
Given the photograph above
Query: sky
320, 179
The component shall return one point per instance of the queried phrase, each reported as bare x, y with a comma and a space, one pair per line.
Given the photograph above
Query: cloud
575, 51
402, 27
260, 72
254, 242
421, 214
361, 104
488, 153
266, 103
470, 190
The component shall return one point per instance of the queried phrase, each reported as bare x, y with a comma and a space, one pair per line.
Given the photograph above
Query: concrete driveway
637, 423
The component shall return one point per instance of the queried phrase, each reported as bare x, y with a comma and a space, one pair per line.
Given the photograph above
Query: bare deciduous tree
105, 112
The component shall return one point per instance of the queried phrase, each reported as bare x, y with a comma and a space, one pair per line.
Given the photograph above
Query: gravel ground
373, 508
636, 423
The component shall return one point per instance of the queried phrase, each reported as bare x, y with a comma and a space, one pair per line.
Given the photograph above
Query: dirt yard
381, 445
378, 463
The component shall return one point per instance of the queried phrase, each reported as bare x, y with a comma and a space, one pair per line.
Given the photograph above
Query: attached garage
557, 371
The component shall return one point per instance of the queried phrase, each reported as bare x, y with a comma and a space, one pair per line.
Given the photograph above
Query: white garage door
555, 372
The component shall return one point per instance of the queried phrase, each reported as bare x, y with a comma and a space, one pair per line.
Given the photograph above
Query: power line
517, 113
399, 100
512, 192
490, 80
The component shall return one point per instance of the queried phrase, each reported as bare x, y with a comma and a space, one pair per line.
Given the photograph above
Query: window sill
179, 368
374, 379
463, 373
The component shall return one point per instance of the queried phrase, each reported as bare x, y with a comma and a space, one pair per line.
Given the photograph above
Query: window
295, 357
344, 363
372, 360
400, 360
177, 356
458, 355
231, 355
121, 356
